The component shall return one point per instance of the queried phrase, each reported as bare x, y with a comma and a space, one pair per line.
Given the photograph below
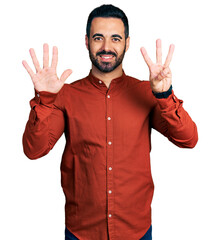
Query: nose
107, 45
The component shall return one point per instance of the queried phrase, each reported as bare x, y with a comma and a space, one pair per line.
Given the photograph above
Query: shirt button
38, 95
109, 143
110, 191
110, 168
108, 96
109, 118
110, 215
100, 81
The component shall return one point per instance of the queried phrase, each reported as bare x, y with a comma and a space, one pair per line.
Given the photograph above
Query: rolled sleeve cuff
45, 98
164, 94
169, 103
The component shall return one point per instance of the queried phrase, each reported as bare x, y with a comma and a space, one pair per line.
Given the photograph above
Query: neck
107, 77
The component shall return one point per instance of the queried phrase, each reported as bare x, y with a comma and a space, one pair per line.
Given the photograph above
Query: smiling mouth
106, 57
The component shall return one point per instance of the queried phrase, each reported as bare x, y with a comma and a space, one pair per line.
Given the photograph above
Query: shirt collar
99, 83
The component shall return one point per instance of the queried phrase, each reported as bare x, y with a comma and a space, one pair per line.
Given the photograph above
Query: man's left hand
160, 74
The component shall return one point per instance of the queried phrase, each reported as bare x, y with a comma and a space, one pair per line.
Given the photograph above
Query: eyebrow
117, 35
97, 35
101, 35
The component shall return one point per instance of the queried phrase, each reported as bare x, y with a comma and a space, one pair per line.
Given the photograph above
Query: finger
65, 75
54, 57
34, 59
158, 51
146, 57
46, 55
160, 77
169, 56
29, 70
163, 73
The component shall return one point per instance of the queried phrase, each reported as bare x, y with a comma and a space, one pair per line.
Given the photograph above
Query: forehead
107, 26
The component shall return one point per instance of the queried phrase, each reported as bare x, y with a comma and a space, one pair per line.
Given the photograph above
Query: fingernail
162, 74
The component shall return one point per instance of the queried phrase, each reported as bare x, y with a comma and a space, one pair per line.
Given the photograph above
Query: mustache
106, 53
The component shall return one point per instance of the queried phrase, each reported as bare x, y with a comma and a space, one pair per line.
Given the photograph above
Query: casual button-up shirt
105, 168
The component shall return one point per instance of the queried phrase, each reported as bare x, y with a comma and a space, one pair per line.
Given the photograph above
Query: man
107, 119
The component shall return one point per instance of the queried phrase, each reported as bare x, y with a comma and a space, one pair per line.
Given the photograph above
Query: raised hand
160, 74
46, 79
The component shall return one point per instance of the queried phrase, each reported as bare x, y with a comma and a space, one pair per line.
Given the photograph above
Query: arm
46, 120
168, 116
45, 125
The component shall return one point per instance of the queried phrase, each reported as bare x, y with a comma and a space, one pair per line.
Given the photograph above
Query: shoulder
142, 83
68, 91
70, 87
76, 83
143, 89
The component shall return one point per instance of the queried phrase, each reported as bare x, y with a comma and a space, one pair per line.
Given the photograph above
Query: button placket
110, 145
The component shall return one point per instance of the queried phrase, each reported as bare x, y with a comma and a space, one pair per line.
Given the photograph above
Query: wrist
45, 97
166, 94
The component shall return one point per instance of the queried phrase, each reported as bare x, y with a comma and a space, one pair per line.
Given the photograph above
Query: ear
87, 42
127, 43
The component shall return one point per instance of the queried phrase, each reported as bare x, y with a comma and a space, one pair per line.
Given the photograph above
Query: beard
106, 67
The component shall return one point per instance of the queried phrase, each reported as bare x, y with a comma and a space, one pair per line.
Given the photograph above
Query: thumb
65, 75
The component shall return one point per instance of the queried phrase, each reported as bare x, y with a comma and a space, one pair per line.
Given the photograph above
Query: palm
46, 79
160, 83
160, 74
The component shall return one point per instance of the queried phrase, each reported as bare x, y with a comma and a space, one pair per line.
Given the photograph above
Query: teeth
106, 57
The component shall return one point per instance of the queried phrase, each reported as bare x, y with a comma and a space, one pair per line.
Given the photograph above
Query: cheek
94, 46
120, 49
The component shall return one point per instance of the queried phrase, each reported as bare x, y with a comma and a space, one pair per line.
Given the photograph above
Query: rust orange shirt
105, 169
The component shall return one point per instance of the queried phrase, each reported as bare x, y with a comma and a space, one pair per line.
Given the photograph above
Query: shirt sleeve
44, 127
170, 118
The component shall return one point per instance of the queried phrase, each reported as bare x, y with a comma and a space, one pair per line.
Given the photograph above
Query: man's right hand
46, 79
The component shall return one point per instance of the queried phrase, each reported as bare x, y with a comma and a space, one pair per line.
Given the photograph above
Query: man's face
107, 44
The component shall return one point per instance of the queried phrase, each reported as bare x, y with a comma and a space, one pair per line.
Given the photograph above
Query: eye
116, 39
97, 39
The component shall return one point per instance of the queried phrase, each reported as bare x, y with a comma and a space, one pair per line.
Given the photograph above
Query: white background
186, 202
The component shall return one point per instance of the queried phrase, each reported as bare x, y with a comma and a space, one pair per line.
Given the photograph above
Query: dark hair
107, 11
